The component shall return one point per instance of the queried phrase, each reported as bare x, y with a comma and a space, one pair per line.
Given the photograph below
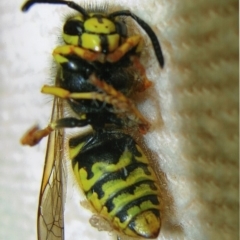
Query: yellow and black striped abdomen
118, 181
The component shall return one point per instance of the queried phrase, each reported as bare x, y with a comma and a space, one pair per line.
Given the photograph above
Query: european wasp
99, 70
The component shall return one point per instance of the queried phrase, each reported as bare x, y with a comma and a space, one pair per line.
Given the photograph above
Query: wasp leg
129, 44
146, 83
122, 105
65, 94
60, 52
34, 135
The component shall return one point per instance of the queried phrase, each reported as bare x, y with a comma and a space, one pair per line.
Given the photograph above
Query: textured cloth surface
192, 107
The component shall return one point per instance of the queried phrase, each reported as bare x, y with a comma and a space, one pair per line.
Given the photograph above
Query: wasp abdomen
117, 179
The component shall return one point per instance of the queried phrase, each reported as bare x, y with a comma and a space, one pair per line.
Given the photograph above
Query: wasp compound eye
73, 27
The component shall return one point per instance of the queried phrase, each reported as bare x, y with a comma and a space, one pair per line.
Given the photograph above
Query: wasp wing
50, 224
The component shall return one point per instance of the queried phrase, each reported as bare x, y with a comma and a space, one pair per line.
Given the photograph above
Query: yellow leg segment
65, 50
129, 44
65, 94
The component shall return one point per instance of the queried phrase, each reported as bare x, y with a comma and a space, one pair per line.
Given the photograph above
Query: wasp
99, 71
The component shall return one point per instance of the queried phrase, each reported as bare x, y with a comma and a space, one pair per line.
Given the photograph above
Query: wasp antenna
70, 4
148, 30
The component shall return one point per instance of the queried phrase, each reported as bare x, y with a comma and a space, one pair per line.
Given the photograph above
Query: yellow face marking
91, 41
104, 25
73, 40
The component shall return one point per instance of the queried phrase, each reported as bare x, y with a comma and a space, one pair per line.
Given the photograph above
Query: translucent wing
50, 223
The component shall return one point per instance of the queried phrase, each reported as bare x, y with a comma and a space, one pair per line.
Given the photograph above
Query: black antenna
70, 4
148, 30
